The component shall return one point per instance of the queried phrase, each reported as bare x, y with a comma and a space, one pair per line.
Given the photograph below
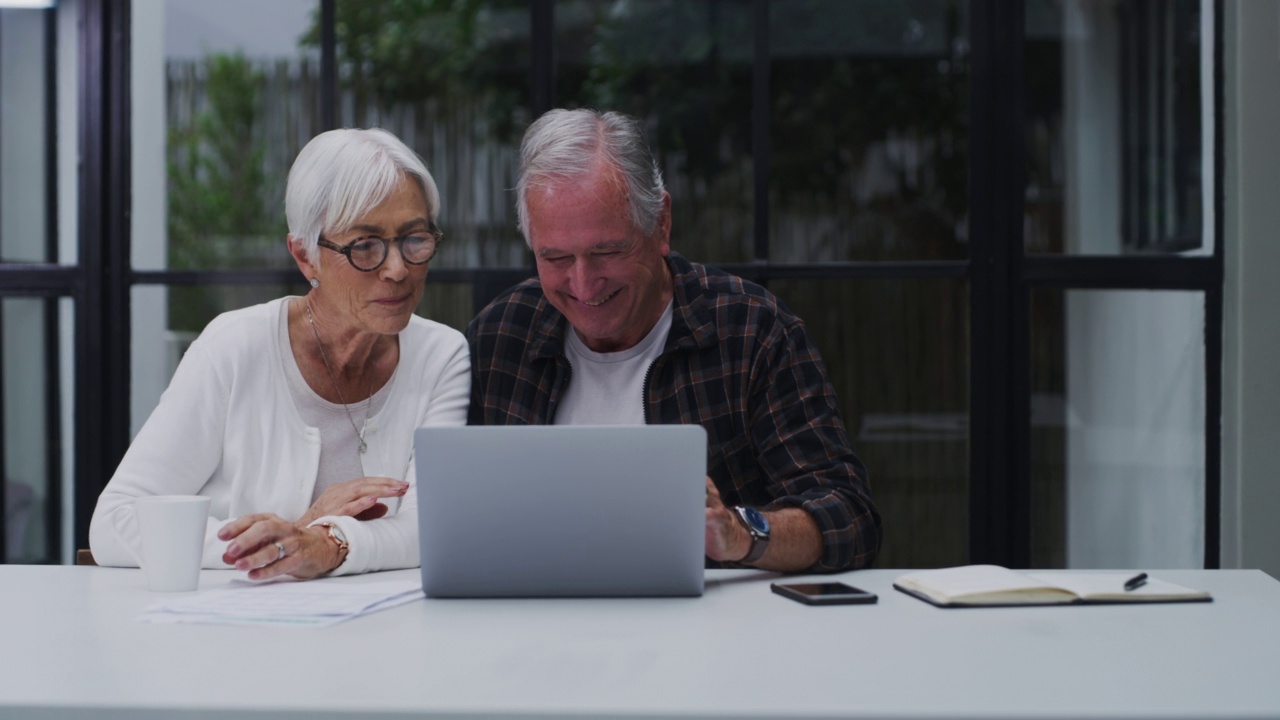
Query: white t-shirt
608, 388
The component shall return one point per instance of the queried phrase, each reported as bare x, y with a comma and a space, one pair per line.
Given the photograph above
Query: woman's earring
315, 283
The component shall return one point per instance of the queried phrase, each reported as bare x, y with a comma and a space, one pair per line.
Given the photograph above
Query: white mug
172, 529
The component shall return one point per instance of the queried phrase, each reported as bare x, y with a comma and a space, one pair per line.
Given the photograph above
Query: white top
608, 388
227, 427
341, 428
74, 649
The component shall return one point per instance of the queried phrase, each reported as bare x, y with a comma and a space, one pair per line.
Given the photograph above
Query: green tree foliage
685, 67
223, 208
847, 78
441, 51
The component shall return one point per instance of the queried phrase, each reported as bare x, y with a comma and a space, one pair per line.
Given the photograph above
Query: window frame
1001, 274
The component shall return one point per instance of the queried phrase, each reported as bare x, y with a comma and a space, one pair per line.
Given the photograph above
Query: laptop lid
557, 510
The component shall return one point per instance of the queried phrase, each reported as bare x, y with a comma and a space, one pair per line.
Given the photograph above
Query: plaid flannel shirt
736, 361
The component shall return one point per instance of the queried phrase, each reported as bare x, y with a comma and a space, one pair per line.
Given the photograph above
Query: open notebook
992, 585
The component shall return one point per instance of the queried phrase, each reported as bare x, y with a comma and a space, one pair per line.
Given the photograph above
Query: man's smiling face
608, 278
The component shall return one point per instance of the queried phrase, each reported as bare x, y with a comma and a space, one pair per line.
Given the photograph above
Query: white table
70, 647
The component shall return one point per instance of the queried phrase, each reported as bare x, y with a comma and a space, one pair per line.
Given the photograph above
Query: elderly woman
297, 416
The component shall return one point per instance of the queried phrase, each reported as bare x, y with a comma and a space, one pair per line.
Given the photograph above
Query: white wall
1251, 353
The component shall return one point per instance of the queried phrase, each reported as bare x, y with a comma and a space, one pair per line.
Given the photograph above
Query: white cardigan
228, 428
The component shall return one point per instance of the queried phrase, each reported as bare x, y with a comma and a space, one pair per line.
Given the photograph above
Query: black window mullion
999, 489
90, 334
1214, 301
760, 141
1126, 272
102, 309
1160, 59
876, 270
53, 431
247, 276
52, 331
1145, 139
542, 66
1130, 127
118, 238
291, 276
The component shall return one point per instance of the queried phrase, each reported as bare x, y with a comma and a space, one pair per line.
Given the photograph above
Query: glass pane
24, 137
167, 318
901, 370
869, 127
30, 393
684, 67
1117, 427
452, 81
224, 95
1116, 122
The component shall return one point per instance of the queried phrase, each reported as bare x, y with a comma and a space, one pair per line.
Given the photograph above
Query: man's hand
795, 542
727, 540
357, 498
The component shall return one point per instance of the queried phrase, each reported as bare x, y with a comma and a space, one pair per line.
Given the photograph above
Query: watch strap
759, 540
338, 538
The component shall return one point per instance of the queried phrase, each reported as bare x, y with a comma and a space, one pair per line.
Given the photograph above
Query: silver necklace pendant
364, 447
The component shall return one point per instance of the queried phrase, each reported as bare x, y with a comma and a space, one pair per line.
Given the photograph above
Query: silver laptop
555, 510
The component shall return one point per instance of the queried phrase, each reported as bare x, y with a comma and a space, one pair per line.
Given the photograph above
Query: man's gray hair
567, 144
341, 175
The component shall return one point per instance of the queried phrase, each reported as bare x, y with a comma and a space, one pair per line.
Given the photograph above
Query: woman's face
382, 300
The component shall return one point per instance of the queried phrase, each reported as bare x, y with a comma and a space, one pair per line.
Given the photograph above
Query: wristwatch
758, 527
340, 539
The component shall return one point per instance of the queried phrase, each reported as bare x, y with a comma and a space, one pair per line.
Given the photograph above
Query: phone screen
824, 593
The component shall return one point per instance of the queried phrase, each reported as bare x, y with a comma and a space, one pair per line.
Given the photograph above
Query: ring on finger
280, 547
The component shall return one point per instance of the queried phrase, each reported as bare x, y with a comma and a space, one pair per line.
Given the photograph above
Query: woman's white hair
565, 144
341, 175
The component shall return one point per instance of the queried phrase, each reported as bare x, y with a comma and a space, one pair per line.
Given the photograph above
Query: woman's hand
267, 546
357, 498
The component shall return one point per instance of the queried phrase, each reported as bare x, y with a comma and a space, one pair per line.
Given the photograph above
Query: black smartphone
824, 593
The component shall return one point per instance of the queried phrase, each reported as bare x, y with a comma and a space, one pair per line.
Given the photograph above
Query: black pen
1135, 582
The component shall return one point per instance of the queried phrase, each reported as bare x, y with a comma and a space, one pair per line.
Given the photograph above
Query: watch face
755, 519
336, 532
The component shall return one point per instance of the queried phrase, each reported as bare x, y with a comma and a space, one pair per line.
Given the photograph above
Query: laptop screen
538, 511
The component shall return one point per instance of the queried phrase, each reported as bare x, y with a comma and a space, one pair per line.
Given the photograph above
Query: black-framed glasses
367, 253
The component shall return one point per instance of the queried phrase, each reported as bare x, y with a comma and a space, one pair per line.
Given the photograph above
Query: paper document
313, 603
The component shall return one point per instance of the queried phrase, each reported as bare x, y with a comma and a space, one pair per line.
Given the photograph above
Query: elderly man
617, 329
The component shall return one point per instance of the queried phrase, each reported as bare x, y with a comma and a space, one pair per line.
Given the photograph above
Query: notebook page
969, 579
1110, 586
